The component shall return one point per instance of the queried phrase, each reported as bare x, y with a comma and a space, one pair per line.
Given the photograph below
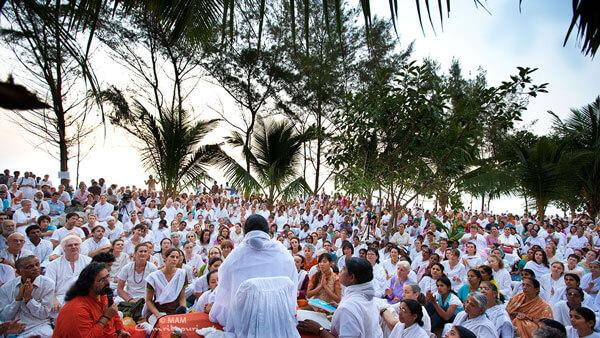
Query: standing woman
495, 310
527, 308
165, 291
444, 306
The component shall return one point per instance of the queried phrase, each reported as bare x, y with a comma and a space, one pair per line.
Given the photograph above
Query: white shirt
42, 250
90, 245
21, 217
63, 276
357, 315
457, 274
61, 233
413, 331
135, 284
13, 258
481, 326
33, 313
103, 211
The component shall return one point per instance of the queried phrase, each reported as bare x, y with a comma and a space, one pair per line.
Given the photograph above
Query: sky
496, 42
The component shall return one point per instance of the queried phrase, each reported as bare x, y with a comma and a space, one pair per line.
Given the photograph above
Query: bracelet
105, 316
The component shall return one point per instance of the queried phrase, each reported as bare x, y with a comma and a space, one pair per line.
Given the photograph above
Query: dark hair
577, 289
213, 261
488, 270
463, 332
318, 274
375, 252
104, 257
72, 214
587, 314
446, 281
544, 257
477, 274
360, 268
415, 309
85, 281
574, 276
301, 258
98, 226
21, 261
529, 271
210, 273
494, 288
256, 222
553, 324
137, 246
161, 242
43, 217
535, 282
31, 228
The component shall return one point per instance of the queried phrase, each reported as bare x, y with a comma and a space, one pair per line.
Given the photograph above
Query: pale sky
497, 43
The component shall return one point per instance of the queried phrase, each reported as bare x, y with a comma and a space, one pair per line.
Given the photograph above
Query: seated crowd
412, 273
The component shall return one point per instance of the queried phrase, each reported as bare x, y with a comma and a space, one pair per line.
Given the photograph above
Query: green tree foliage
274, 161
581, 133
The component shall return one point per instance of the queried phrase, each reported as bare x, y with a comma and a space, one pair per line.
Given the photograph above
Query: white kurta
357, 314
481, 326
256, 256
90, 245
413, 331
498, 315
42, 250
35, 313
135, 284
63, 276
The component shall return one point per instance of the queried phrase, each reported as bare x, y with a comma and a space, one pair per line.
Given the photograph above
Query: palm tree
169, 141
539, 171
274, 156
581, 132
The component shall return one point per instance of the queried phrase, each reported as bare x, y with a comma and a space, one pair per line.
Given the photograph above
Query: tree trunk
319, 144
482, 202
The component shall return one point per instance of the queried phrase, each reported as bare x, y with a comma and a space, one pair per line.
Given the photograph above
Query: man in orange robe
86, 313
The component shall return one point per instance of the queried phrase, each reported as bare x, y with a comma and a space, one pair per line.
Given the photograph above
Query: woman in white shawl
356, 315
474, 317
165, 291
501, 275
554, 283
495, 310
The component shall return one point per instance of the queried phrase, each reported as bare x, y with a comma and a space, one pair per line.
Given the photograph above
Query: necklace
143, 273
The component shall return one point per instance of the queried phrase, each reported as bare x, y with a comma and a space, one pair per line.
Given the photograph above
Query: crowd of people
99, 256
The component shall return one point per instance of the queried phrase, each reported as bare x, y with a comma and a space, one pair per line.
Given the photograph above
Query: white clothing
118, 265
135, 284
428, 284
90, 245
539, 269
103, 211
472, 261
166, 291
63, 275
35, 313
498, 315
456, 274
41, 251
502, 277
7, 273
389, 267
554, 288
481, 326
21, 217
114, 233
413, 331
206, 298
560, 312
380, 282
8, 257
357, 314
256, 256
61, 233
